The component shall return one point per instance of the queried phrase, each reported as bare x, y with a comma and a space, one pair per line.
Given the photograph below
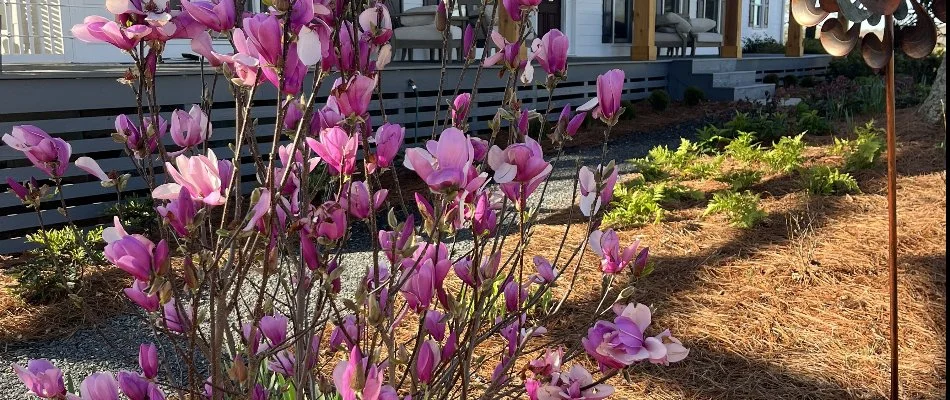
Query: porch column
507, 27
732, 30
644, 25
794, 42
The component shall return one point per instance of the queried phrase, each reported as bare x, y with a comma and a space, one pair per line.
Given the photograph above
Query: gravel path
113, 345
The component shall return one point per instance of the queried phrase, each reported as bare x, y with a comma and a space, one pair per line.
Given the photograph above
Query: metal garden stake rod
917, 41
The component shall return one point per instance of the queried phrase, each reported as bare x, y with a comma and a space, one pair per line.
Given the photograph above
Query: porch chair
417, 30
701, 34
672, 32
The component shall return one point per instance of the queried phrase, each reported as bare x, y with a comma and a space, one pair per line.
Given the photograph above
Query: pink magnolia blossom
206, 179
351, 385
49, 154
98, 386
139, 295
136, 255
337, 149
346, 334
376, 23
283, 363
133, 385
356, 199
515, 295
353, 97
179, 213
519, 168
606, 245
548, 364
606, 106
673, 350
483, 216
97, 29
217, 15
593, 197
622, 342
460, 109
420, 286
576, 384
434, 324
481, 148
148, 360
330, 221
42, 378
509, 53
546, 272
175, 321
446, 165
551, 52
274, 328
92, 167
428, 359
18, 190
141, 143
190, 128
389, 139
468, 42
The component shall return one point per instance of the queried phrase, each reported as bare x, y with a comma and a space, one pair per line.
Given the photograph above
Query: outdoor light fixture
415, 91
917, 41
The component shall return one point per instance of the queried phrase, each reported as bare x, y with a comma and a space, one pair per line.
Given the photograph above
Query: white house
37, 31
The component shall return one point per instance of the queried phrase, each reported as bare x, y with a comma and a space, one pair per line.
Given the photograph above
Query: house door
549, 16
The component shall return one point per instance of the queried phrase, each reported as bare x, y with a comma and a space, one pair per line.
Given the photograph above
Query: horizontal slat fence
81, 105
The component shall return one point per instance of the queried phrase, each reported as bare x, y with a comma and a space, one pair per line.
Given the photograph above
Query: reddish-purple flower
354, 96
190, 128
596, 192
141, 143
136, 255
551, 52
176, 321
216, 15
606, 106
606, 245
139, 295
49, 154
519, 168
429, 358
484, 219
99, 386
337, 149
546, 272
356, 199
388, 139
206, 179
42, 378
576, 384
97, 29
148, 360
460, 108
446, 165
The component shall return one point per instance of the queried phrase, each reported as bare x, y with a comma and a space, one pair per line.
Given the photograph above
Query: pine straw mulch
796, 307
100, 299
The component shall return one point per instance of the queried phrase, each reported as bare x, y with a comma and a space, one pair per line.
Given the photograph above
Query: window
674, 6
617, 21
710, 9
759, 13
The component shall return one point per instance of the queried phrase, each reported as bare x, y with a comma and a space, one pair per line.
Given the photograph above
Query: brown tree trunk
932, 109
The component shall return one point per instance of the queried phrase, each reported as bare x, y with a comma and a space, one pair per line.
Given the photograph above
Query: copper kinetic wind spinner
917, 41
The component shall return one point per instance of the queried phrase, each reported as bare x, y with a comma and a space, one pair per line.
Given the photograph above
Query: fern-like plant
862, 152
740, 179
825, 180
786, 154
740, 208
744, 148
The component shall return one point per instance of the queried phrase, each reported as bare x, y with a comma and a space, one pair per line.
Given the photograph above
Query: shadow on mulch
795, 307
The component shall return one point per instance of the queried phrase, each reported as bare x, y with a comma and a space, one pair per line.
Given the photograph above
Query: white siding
583, 25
